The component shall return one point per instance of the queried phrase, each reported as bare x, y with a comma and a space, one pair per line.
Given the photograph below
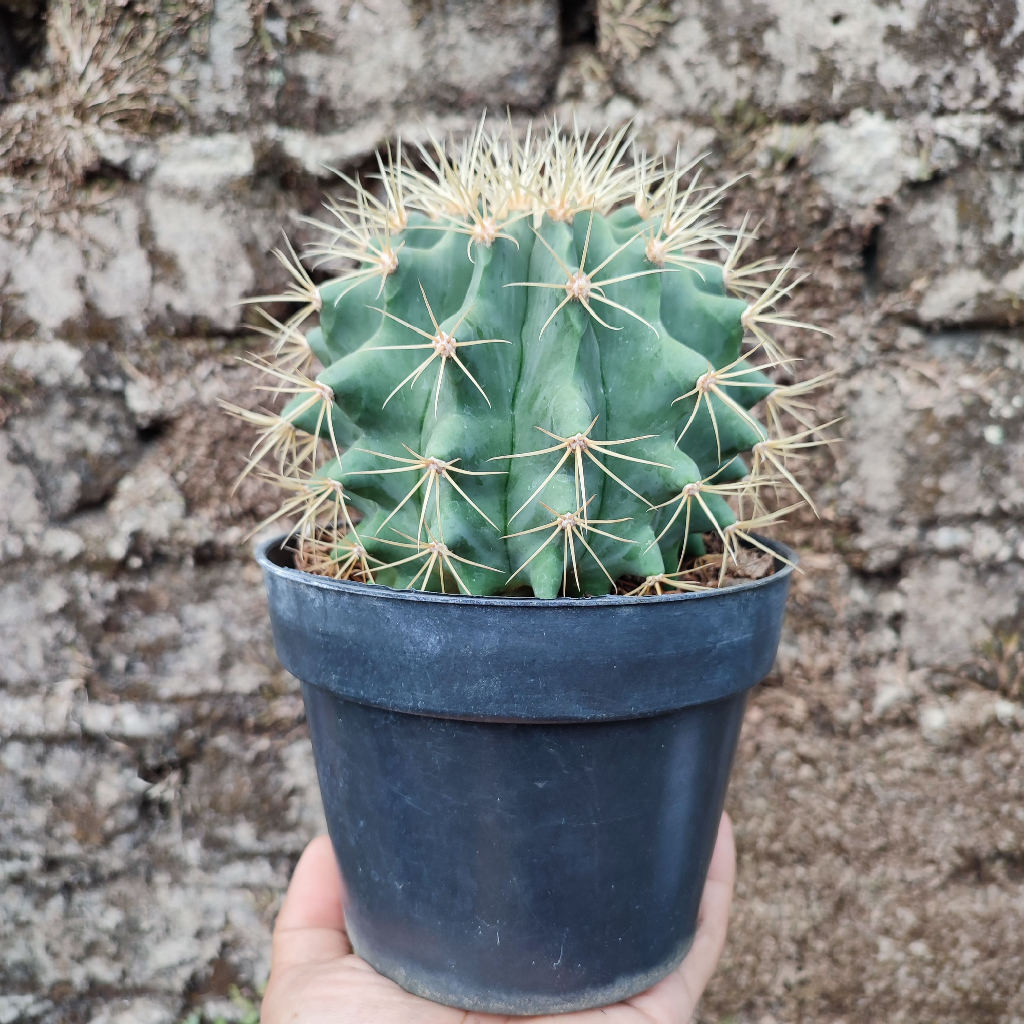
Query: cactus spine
531, 375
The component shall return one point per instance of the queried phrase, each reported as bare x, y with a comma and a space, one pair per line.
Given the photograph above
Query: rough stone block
863, 161
210, 269
958, 244
950, 610
203, 163
46, 278
794, 59
386, 56
119, 275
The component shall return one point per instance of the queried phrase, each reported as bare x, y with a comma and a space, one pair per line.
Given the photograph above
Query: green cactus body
540, 399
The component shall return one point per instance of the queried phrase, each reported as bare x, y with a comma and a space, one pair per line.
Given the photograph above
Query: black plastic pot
523, 795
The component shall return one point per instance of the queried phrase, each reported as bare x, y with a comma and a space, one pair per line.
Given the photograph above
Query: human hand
317, 979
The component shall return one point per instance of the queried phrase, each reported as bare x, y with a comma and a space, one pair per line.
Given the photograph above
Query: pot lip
378, 590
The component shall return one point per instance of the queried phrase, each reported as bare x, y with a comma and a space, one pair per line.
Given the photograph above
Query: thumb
310, 926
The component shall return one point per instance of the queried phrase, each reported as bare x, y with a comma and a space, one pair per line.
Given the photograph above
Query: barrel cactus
529, 374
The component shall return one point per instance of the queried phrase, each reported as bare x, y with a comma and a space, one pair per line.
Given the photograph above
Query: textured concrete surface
156, 783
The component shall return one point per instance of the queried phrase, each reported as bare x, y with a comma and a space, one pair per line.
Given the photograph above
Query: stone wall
156, 783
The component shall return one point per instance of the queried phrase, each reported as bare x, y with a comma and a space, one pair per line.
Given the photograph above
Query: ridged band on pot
523, 795
504, 659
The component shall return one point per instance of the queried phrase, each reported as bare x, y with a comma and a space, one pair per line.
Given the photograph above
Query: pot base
443, 988
522, 868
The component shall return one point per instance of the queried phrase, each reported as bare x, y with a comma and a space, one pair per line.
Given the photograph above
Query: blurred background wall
156, 784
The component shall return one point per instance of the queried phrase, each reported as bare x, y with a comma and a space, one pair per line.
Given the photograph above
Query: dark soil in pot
523, 795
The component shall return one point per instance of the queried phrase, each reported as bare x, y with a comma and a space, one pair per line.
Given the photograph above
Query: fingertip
319, 848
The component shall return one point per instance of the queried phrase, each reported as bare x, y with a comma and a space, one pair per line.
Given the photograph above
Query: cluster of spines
480, 190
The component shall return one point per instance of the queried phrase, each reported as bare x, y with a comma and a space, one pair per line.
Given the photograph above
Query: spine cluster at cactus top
533, 376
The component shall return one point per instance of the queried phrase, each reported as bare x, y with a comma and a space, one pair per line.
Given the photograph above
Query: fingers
673, 1000
311, 923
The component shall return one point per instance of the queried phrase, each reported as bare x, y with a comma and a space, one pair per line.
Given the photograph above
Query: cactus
532, 375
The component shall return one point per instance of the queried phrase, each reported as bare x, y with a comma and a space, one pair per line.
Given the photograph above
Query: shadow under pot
523, 795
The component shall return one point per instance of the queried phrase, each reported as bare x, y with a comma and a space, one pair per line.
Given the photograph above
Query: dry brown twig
104, 73
627, 27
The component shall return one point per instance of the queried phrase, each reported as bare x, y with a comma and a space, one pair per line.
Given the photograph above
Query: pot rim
266, 549
522, 659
